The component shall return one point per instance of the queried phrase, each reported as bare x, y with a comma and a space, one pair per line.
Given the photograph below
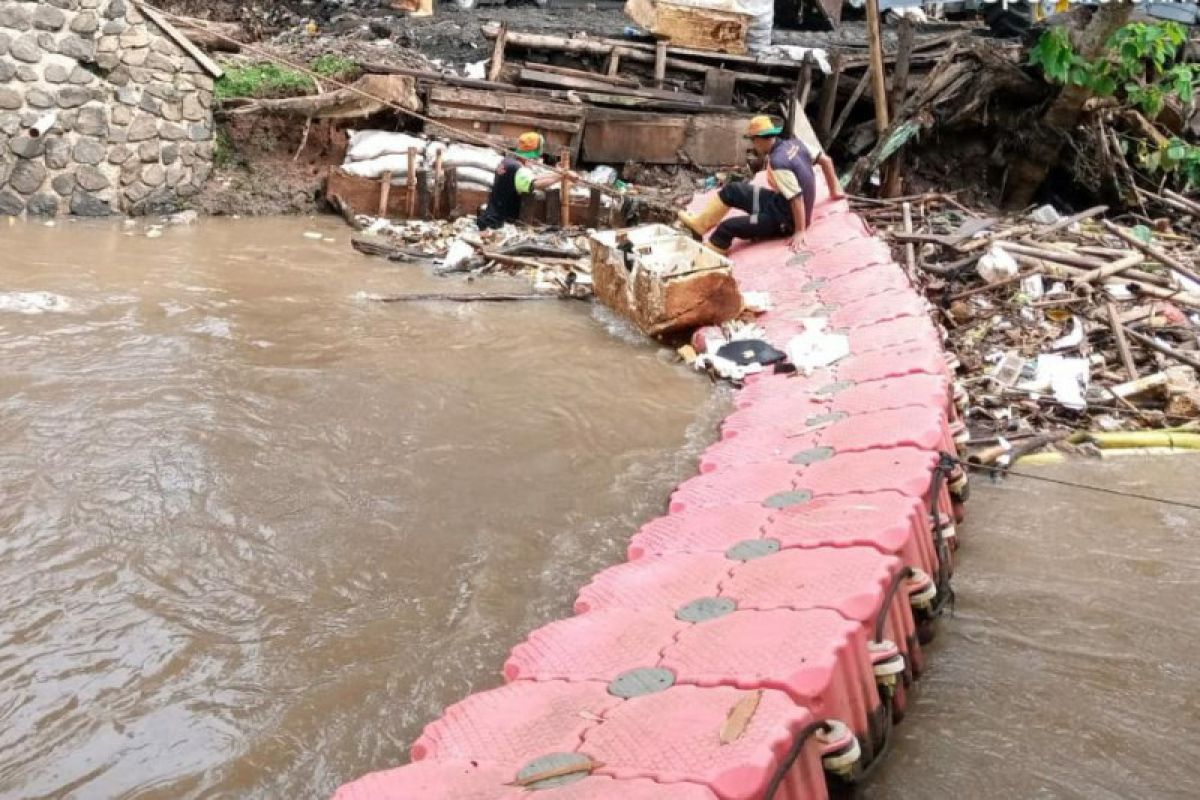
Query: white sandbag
369, 145
395, 164
475, 187
484, 177
762, 20
461, 155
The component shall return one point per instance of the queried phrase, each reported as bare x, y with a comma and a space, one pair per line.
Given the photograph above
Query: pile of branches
1115, 300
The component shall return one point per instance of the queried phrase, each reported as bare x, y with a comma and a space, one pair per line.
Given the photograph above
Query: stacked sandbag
762, 20
373, 153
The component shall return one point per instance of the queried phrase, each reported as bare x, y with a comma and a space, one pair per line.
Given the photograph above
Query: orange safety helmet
762, 127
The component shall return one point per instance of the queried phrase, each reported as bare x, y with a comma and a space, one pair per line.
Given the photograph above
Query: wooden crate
715, 25
500, 117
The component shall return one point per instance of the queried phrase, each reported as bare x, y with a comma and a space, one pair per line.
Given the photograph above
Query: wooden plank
845, 115
614, 63
595, 208
451, 112
505, 102
718, 87
554, 206
799, 98
186, 44
597, 84
498, 53
612, 80
660, 64
828, 102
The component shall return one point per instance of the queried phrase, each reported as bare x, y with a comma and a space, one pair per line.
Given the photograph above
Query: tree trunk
1041, 152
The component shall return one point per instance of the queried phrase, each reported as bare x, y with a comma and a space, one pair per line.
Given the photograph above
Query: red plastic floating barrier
816, 656
671, 736
436, 780
749, 436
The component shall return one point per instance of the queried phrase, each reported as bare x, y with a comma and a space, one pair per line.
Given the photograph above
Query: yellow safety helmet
762, 126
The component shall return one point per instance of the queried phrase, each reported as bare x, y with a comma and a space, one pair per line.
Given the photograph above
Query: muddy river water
256, 530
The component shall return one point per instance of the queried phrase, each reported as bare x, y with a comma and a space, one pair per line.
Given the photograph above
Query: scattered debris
1094, 325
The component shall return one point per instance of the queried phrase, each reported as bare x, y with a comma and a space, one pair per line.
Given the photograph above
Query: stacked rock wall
132, 111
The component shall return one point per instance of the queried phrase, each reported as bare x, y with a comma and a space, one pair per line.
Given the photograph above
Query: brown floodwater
256, 530
1071, 668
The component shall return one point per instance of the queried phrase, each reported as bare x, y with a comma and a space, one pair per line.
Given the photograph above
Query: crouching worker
783, 210
514, 179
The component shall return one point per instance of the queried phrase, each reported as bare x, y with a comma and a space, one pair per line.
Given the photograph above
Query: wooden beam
564, 164
660, 63
598, 84
613, 80
498, 53
828, 103
845, 115
1114, 323
436, 111
198, 55
614, 63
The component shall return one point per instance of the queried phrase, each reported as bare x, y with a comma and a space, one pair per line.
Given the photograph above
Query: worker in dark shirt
515, 178
785, 209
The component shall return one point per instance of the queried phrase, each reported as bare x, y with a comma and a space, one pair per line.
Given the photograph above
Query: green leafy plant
1139, 67
262, 80
336, 67
1139, 63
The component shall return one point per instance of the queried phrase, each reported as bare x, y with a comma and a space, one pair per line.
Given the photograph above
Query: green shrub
262, 80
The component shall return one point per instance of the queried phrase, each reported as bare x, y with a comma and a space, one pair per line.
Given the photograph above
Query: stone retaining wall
133, 128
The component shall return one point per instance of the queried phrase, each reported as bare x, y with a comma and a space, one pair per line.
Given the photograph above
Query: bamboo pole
878, 81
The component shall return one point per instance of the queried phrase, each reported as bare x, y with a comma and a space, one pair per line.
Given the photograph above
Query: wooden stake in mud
660, 63
564, 163
614, 63
385, 193
411, 182
438, 178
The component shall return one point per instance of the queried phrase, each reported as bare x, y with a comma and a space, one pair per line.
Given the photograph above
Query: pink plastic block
901, 469
599, 645
918, 389
651, 582
515, 723
854, 581
889, 334
750, 437
435, 780
892, 523
708, 529
674, 737
816, 656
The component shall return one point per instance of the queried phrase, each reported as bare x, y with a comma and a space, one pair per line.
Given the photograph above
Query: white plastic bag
996, 264
816, 348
